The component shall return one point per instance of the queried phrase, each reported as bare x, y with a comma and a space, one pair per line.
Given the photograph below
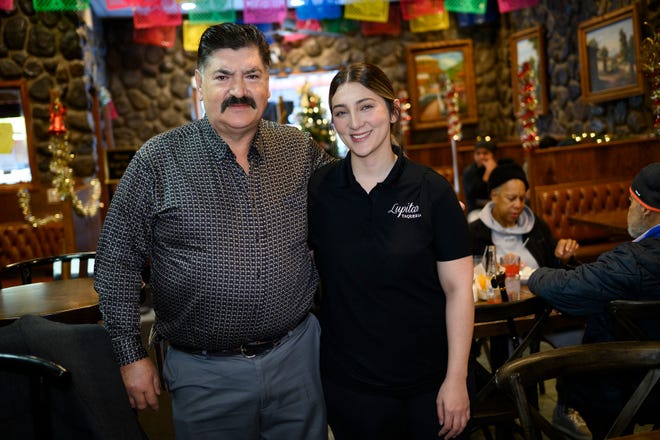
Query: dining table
615, 220
556, 321
641, 435
71, 301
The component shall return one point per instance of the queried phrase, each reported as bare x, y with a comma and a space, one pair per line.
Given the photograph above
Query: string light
591, 137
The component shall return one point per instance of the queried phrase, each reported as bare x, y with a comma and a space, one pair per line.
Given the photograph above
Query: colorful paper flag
470, 6
145, 3
213, 11
264, 11
163, 36
411, 9
368, 10
192, 33
60, 5
392, 27
427, 23
468, 19
512, 5
118, 4
339, 26
318, 9
166, 14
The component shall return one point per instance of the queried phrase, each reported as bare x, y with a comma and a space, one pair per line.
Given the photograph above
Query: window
16, 155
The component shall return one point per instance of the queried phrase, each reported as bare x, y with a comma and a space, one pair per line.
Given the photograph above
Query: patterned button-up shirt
228, 250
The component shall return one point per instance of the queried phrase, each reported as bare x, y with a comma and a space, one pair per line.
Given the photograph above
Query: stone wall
569, 113
47, 50
151, 86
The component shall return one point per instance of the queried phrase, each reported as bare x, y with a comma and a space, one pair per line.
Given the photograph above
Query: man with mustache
217, 207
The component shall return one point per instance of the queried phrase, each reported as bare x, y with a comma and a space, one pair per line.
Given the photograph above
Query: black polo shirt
383, 309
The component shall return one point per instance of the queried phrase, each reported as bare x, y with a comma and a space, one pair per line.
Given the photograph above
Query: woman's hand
453, 406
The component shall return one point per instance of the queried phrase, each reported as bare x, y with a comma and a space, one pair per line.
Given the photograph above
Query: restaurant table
648, 435
614, 220
72, 301
555, 322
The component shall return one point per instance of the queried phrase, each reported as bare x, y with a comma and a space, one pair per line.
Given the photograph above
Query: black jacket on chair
94, 406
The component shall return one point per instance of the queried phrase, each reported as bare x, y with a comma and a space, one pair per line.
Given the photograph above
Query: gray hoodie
509, 240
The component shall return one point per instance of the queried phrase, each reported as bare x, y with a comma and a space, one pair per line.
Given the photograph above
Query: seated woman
513, 228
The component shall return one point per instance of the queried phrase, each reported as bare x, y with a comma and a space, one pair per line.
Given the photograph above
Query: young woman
391, 246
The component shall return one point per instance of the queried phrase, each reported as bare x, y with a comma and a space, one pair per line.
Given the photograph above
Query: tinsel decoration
24, 203
405, 116
63, 181
454, 126
528, 102
650, 54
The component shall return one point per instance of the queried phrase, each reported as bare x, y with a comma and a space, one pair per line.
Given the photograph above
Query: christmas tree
313, 119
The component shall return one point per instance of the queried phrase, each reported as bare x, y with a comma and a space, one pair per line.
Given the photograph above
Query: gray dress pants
273, 396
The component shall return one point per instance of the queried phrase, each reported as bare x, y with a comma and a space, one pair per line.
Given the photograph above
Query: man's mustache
232, 100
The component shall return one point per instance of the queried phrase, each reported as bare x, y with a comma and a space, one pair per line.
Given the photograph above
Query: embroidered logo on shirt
405, 211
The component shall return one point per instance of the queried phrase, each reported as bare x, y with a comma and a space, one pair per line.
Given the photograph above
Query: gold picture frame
429, 66
528, 45
609, 56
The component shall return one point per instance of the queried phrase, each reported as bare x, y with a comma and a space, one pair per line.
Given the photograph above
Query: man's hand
142, 384
566, 248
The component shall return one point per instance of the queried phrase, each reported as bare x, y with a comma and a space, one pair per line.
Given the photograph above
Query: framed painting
430, 67
610, 57
529, 46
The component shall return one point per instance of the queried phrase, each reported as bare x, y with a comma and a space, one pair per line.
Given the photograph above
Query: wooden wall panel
612, 160
617, 159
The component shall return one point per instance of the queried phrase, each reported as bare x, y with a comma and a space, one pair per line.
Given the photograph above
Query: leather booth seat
20, 241
556, 203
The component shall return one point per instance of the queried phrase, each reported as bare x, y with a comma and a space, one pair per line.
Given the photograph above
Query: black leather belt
249, 349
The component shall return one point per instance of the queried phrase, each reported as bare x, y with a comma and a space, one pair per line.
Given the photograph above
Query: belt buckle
244, 352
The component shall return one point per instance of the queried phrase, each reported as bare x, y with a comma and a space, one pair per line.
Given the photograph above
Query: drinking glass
511, 264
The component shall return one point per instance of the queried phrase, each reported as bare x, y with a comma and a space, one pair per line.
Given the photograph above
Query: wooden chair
605, 357
57, 267
41, 374
629, 314
492, 407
